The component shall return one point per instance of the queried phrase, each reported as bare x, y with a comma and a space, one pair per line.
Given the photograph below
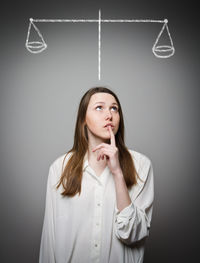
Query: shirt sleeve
47, 253
133, 222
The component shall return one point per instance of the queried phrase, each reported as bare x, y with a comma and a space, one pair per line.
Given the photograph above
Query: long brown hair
71, 176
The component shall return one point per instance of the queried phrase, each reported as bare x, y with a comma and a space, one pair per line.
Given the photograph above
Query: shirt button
96, 245
98, 204
97, 224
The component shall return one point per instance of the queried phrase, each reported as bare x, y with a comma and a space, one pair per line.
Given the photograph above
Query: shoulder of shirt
59, 160
139, 157
55, 169
142, 162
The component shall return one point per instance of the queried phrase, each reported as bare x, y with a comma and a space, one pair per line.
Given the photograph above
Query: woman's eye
115, 108
98, 107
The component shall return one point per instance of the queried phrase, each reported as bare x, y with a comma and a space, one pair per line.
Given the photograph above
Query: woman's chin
104, 137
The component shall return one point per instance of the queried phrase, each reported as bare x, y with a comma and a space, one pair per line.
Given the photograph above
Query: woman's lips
107, 127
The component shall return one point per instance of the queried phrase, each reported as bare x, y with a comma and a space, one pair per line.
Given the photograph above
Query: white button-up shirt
89, 228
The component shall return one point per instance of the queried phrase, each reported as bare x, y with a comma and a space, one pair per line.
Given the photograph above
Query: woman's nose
108, 115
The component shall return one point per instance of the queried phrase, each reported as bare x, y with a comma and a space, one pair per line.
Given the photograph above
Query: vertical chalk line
99, 43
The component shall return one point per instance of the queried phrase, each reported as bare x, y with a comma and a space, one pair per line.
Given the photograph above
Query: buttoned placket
97, 217
96, 243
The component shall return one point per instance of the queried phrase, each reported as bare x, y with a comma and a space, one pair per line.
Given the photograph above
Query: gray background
39, 97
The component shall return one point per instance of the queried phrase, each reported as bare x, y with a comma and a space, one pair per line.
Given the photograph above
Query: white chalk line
99, 57
97, 20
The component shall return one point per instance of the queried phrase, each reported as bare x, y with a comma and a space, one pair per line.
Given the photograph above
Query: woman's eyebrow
114, 103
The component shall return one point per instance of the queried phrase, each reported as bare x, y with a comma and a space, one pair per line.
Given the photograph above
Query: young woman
99, 197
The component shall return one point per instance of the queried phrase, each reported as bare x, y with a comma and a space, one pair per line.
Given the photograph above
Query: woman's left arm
133, 218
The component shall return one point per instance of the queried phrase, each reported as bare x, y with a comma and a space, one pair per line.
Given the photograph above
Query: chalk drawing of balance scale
160, 51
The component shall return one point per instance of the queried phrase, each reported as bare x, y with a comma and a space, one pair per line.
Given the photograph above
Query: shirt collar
101, 179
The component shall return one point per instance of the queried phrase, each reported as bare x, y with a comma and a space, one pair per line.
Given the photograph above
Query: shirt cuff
127, 211
123, 217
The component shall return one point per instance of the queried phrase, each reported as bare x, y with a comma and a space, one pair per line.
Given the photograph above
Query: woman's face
102, 110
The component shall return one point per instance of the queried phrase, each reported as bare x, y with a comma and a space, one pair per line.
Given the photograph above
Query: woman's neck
94, 141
